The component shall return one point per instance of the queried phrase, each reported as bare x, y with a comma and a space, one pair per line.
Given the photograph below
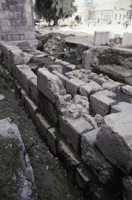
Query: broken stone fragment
82, 104
49, 84
98, 119
114, 140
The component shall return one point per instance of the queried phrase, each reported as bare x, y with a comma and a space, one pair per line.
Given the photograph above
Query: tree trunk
55, 21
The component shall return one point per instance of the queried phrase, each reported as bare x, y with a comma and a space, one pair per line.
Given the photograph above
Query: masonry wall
16, 20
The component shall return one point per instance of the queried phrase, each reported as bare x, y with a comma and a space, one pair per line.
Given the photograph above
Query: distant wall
16, 20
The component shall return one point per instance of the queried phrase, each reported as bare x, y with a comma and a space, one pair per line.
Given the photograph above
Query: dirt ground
51, 179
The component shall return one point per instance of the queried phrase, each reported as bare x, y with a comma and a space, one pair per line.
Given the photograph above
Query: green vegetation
54, 9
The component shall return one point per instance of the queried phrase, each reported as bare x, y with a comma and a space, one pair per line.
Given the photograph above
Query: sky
80, 2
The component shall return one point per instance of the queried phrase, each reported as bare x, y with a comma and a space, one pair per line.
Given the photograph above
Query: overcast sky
81, 2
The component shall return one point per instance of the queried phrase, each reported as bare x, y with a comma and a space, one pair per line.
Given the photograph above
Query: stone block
43, 125
51, 140
93, 158
114, 140
89, 88
73, 129
127, 188
86, 59
68, 155
127, 40
101, 37
49, 84
23, 74
62, 77
99, 80
17, 57
101, 102
111, 85
33, 89
30, 107
122, 107
127, 89
72, 85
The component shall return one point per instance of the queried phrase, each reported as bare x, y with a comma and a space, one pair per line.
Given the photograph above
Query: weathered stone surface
122, 107
50, 84
62, 77
127, 89
89, 88
126, 41
33, 89
101, 37
86, 59
24, 173
94, 160
101, 102
72, 85
30, 106
83, 177
51, 140
127, 188
43, 125
23, 74
55, 68
111, 85
67, 154
73, 129
2, 97
99, 80
82, 104
114, 140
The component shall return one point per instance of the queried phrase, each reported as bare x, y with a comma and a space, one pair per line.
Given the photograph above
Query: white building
115, 11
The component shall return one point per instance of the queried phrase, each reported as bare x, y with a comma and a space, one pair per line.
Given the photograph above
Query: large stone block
52, 140
114, 140
90, 88
43, 125
33, 89
93, 158
101, 37
101, 102
73, 129
126, 41
127, 89
23, 74
72, 85
49, 84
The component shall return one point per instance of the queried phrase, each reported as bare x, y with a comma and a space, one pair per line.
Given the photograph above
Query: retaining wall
95, 150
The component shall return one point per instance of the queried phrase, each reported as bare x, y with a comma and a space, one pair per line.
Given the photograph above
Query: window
115, 16
120, 17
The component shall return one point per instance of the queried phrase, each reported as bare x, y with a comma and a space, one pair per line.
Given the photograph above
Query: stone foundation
96, 150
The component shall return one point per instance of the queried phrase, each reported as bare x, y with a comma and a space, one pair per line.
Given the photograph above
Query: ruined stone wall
16, 20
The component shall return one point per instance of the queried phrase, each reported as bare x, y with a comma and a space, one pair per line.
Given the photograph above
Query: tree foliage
54, 9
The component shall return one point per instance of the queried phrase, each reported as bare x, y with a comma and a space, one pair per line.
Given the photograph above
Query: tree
54, 9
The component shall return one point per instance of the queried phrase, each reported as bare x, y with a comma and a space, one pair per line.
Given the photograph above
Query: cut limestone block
33, 89
114, 140
30, 106
127, 89
51, 140
49, 84
127, 188
101, 37
94, 159
111, 85
67, 154
99, 80
72, 85
101, 102
73, 129
89, 88
43, 125
122, 107
86, 59
23, 74
62, 77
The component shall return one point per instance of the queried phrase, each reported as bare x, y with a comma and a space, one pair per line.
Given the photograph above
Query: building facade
115, 12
